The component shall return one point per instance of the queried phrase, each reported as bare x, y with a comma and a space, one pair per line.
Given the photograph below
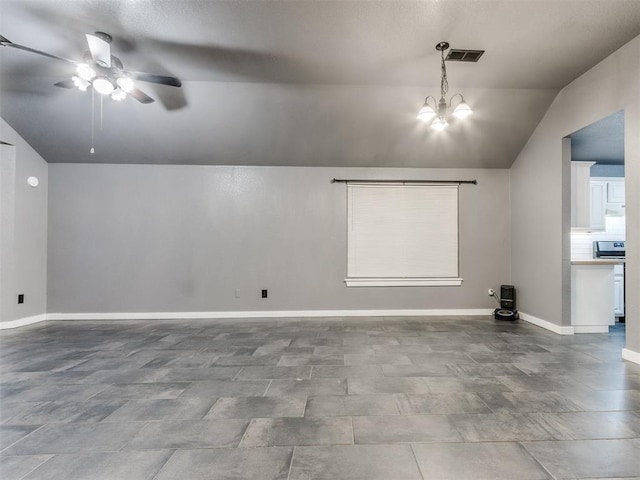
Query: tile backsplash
582, 243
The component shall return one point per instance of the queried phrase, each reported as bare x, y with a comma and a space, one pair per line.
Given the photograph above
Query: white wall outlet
237, 293
491, 292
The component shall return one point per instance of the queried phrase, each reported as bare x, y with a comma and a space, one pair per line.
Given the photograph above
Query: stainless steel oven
609, 249
614, 250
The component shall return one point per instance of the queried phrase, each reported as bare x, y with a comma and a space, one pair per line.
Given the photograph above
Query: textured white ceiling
601, 142
303, 82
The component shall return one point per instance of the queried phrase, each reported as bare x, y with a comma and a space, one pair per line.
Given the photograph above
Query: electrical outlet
264, 294
491, 292
237, 293
21, 298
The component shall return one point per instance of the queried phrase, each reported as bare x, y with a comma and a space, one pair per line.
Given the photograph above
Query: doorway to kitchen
598, 226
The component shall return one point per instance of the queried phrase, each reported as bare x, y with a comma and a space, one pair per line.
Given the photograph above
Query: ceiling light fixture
117, 87
125, 84
86, 72
103, 85
81, 83
440, 109
118, 95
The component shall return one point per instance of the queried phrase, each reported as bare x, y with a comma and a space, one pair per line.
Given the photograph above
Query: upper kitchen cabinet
581, 196
615, 190
598, 190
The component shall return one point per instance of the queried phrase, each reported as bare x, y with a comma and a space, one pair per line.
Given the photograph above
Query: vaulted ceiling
304, 83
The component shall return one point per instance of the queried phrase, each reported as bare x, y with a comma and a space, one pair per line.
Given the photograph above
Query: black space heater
507, 310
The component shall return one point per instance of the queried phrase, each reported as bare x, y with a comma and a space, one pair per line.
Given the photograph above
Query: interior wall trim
631, 355
23, 322
256, 314
591, 329
560, 330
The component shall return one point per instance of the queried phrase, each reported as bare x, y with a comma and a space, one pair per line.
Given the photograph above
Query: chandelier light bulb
103, 85
463, 110
125, 84
439, 124
426, 113
86, 72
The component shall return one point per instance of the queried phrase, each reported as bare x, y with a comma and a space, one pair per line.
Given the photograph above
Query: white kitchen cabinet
597, 204
592, 296
581, 195
618, 291
615, 191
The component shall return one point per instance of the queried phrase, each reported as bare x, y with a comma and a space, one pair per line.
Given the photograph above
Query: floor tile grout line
415, 458
246, 430
293, 454
353, 432
23, 438
542, 465
164, 464
235, 377
51, 457
264, 394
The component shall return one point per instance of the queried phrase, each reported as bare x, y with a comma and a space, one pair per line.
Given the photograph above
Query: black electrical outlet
21, 298
264, 294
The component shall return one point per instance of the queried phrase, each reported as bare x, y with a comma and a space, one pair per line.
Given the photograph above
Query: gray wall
159, 238
24, 224
540, 183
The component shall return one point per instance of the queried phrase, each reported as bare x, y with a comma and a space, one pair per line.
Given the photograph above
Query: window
402, 235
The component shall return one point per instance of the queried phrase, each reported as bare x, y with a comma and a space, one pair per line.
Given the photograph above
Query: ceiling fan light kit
103, 85
81, 83
118, 95
125, 84
86, 72
439, 110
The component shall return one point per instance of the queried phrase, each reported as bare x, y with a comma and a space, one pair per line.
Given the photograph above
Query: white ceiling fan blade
100, 50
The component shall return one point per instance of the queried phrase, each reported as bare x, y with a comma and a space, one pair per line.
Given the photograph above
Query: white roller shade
402, 235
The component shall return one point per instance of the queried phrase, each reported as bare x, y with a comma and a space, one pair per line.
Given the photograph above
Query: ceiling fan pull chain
93, 94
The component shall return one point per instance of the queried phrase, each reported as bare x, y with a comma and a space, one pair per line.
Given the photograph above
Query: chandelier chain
444, 83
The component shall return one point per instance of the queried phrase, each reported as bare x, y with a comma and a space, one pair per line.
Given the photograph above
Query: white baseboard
265, 314
23, 322
560, 330
631, 355
591, 329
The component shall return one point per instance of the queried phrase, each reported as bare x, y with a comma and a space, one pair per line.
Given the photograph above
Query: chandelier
440, 109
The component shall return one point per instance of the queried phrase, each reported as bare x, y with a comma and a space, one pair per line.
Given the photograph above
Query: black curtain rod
404, 182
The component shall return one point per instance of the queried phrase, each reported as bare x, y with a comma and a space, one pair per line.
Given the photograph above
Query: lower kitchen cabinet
618, 290
592, 296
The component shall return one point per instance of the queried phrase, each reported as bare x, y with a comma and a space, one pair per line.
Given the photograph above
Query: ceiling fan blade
65, 84
100, 50
8, 43
154, 78
141, 96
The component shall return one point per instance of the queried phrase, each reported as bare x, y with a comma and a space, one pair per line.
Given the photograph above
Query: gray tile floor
363, 398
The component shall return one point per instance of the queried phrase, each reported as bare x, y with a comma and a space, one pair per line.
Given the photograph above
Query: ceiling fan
103, 71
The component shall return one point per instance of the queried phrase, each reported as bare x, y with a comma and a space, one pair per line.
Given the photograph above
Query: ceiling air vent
458, 55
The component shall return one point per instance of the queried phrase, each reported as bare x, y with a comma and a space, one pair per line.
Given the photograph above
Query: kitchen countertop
599, 261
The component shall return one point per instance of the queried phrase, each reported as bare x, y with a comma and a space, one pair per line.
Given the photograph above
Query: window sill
403, 282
